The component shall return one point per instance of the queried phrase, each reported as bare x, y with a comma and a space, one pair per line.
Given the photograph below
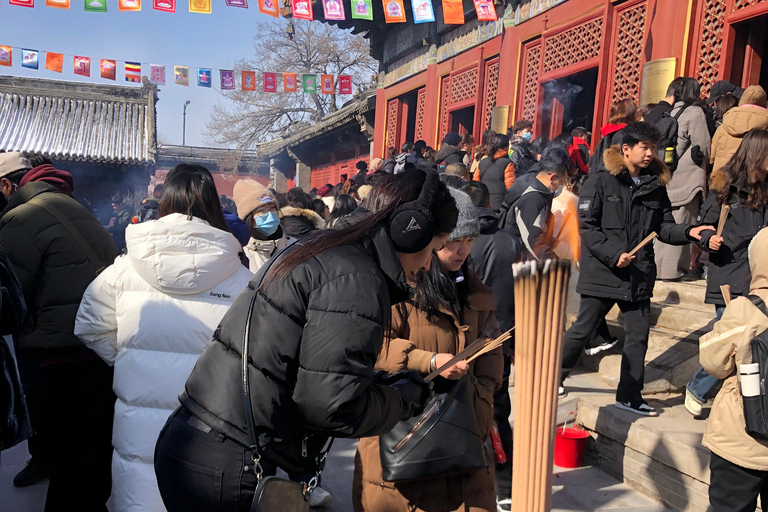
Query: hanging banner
248, 81
333, 10
302, 9
22, 3
108, 69
345, 84
394, 12
422, 11
133, 72
164, 5
30, 59
326, 84
129, 5
227, 79
362, 9
58, 4
268, 7
53, 61
6, 55
453, 12
238, 3
204, 77
95, 5
485, 10
82, 66
181, 75
289, 82
270, 82
309, 84
157, 74
200, 6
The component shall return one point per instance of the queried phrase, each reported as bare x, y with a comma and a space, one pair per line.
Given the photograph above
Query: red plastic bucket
570, 445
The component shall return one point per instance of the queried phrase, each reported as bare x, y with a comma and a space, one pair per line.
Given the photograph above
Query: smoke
566, 93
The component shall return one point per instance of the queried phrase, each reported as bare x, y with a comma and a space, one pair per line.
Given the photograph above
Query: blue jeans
702, 384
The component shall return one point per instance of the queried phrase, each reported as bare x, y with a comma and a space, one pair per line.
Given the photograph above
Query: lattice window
491, 89
421, 101
711, 43
464, 85
574, 45
629, 53
532, 61
741, 4
445, 98
391, 125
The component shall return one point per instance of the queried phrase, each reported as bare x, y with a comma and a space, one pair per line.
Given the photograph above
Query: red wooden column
432, 103
508, 68
380, 121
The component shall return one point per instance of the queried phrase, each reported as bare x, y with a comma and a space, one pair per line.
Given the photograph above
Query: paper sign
181, 75
59, 4
54, 61
203, 77
129, 5
237, 3
200, 6
82, 66
133, 72
270, 82
485, 10
289, 82
227, 79
248, 81
29, 59
95, 5
164, 5
333, 10
269, 7
6, 56
326, 84
302, 9
108, 69
362, 9
422, 11
345, 84
394, 12
453, 12
22, 3
309, 84
157, 74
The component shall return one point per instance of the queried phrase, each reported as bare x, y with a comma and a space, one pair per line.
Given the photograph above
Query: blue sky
185, 39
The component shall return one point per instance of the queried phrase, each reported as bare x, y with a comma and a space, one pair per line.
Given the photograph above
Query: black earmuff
411, 224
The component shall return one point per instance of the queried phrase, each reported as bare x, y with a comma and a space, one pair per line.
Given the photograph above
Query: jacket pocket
652, 216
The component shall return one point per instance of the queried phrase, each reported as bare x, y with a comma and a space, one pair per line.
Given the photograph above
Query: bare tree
316, 47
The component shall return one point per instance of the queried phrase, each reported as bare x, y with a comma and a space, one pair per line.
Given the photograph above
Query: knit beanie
250, 195
467, 223
754, 95
376, 165
452, 138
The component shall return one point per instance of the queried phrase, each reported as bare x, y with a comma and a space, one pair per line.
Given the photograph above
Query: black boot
34, 472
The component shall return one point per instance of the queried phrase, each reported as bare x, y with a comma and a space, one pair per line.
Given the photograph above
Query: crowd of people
197, 344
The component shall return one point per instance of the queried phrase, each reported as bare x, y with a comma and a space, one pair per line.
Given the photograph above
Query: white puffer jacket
150, 315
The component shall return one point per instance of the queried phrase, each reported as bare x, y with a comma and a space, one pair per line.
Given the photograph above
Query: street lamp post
184, 129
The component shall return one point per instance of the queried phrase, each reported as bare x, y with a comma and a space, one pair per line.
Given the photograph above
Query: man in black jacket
619, 206
520, 146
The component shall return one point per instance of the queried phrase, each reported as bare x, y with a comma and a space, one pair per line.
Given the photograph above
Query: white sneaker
692, 404
503, 505
561, 392
638, 407
319, 497
606, 345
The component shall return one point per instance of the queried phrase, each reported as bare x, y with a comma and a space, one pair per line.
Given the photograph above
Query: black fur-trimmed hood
613, 160
312, 216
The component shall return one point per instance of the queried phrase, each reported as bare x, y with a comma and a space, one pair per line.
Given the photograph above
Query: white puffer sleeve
96, 325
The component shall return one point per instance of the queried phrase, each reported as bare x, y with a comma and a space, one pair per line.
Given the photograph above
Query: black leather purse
445, 439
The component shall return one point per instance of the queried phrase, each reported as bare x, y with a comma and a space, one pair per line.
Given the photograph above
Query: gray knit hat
467, 224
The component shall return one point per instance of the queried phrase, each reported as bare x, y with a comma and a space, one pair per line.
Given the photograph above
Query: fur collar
717, 181
614, 164
312, 216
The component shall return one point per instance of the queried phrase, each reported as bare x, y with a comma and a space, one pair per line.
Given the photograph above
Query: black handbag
273, 494
444, 439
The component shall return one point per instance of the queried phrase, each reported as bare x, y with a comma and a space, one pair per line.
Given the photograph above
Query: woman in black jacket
742, 185
309, 379
497, 172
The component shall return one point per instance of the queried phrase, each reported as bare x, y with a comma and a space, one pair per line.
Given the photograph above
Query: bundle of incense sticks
540, 297
726, 291
642, 244
475, 349
723, 215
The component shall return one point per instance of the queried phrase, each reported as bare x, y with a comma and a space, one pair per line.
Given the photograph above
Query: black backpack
756, 407
668, 126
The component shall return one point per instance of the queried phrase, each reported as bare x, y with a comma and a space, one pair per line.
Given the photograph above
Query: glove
414, 392
696, 155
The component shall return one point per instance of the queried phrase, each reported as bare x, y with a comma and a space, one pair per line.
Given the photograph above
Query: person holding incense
451, 309
623, 205
737, 200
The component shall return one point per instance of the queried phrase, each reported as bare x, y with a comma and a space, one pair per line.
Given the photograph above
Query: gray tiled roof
74, 121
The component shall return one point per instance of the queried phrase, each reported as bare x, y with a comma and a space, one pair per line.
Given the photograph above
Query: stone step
692, 292
682, 317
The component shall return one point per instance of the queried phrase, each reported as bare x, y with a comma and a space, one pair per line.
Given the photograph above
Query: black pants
502, 408
733, 488
637, 324
77, 410
29, 371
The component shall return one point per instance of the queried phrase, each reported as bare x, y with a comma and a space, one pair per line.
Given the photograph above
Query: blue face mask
267, 223
527, 136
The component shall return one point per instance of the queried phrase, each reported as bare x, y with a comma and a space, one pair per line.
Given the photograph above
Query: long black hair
381, 202
344, 205
191, 191
435, 290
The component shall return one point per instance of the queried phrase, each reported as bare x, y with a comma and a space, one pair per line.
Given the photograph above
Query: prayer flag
345, 84
204, 77
362, 9
270, 82
248, 81
453, 12
302, 9
289, 82
269, 7
133, 72
201, 6
181, 75
164, 5
6, 55
326, 84
333, 10
54, 61
485, 10
309, 84
30, 59
82, 66
237, 3
95, 5
422, 11
157, 74
108, 69
128, 5
22, 3
59, 4
394, 12
227, 79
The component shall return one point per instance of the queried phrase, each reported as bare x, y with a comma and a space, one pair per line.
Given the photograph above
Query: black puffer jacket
52, 268
730, 264
448, 154
614, 216
520, 155
299, 222
612, 134
315, 337
493, 174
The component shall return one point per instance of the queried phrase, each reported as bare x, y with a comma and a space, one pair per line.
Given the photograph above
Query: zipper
304, 445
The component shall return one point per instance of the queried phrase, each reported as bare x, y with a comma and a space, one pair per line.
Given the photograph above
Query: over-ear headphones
411, 225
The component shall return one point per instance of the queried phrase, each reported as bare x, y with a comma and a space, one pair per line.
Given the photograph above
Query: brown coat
736, 123
413, 342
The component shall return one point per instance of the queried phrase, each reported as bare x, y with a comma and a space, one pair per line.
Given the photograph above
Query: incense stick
643, 243
726, 291
723, 215
475, 349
